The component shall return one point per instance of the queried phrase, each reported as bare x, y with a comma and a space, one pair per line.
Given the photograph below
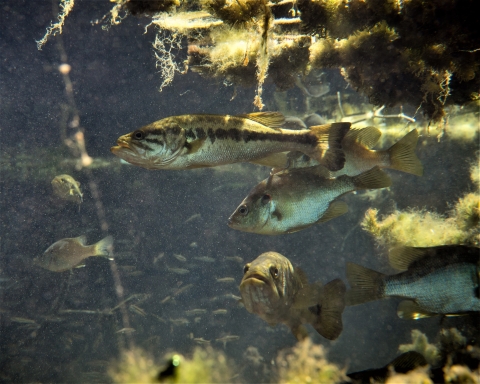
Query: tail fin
104, 247
367, 285
371, 179
329, 321
403, 157
329, 144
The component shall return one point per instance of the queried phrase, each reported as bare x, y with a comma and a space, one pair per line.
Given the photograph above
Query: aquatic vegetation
305, 363
461, 374
206, 365
417, 376
421, 345
421, 228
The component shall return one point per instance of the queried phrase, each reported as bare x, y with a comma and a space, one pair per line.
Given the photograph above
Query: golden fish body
292, 200
197, 141
67, 188
359, 157
279, 293
69, 253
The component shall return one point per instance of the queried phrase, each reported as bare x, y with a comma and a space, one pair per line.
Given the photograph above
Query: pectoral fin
335, 209
308, 296
329, 320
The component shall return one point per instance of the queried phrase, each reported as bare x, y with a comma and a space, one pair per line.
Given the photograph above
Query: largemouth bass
70, 253
279, 293
197, 141
436, 281
292, 200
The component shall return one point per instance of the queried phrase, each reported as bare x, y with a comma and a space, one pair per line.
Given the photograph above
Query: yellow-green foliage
235, 12
420, 228
461, 374
307, 363
420, 344
475, 173
417, 376
134, 366
205, 366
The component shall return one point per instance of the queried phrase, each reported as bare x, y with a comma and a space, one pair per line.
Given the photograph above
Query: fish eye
274, 271
139, 135
266, 198
243, 210
246, 268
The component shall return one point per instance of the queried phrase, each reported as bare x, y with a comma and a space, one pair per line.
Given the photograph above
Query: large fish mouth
256, 277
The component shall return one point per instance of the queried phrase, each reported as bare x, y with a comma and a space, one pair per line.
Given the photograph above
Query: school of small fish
311, 169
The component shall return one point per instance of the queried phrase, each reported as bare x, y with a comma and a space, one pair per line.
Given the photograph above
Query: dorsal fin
270, 119
82, 239
367, 137
335, 209
402, 257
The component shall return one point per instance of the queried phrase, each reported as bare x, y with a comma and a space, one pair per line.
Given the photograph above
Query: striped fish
197, 141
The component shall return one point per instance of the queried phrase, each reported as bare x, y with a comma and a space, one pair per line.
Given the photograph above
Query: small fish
404, 363
238, 259
179, 321
226, 280
440, 280
197, 141
182, 289
180, 271
279, 293
292, 200
227, 339
205, 259
22, 320
220, 312
136, 309
201, 340
193, 217
195, 312
181, 258
126, 330
193, 245
67, 188
71, 253
360, 158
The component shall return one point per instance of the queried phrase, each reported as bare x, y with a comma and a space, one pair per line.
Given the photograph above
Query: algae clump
420, 344
306, 363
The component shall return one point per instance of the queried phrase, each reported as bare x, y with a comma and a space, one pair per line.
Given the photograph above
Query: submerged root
165, 44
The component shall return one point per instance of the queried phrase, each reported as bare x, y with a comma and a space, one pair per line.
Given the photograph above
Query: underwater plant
206, 365
421, 345
306, 362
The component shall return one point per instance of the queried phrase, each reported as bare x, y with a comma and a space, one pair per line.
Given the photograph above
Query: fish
422, 282
292, 200
359, 157
225, 280
70, 253
67, 188
136, 309
404, 363
198, 141
201, 340
205, 259
220, 312
195, 312
279, 293
227, 339
180, 257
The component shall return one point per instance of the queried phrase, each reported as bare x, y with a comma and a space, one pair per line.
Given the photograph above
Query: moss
307, 363
235, 12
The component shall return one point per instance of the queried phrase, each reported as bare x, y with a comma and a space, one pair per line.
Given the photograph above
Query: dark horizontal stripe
142, 145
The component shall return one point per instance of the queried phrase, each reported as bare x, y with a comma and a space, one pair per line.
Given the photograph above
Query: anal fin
408, 309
